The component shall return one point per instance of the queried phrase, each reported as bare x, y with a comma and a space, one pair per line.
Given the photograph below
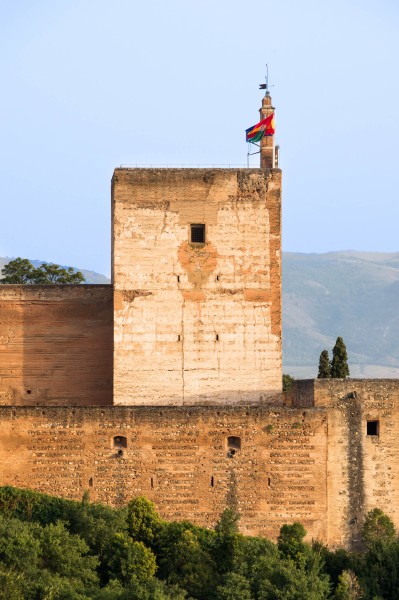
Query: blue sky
90, 85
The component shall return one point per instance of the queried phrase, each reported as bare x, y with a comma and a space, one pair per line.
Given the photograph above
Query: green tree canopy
21, 271
348, 587
56, 549
128, 560
227, 539
185, 559
339, 363
378, 527
290, 543
287, 382
143, 520
324, 366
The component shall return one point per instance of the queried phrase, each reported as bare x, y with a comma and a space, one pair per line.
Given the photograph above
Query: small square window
119, 441
373, 427
198, 234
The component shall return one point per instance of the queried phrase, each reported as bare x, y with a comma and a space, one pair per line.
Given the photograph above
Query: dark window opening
373, 427
212, 481
268, 481
28, 391
217, 277
234, 441
119, 442
217, 337
178, 279
91, 482
198, 234
178, 338
152, 482
233, 445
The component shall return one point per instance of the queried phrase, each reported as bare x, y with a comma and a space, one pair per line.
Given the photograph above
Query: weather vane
265, 86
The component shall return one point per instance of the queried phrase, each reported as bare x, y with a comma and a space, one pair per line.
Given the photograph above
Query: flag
256, 132
262, 86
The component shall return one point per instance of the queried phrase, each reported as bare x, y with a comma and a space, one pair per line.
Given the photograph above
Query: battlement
330, 392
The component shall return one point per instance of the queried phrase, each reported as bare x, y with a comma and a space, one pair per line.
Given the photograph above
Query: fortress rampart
324, 465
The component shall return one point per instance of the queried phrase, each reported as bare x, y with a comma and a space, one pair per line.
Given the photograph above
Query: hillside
353, 294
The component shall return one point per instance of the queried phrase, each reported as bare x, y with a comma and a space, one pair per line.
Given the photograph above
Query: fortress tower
197, 285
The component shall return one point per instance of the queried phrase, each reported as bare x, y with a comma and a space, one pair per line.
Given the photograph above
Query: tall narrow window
233, 445
197, 233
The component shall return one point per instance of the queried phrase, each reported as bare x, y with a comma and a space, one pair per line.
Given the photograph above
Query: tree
348, 587
143, 521
128, 560
234, 586
67, 555
284, 580
324, 366
21, 271
185, 559
287, 382
17, 271
227, 540
291, 545
339, 363
378, 528
54, 274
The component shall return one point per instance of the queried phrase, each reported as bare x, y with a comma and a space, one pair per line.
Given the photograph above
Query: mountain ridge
349, 293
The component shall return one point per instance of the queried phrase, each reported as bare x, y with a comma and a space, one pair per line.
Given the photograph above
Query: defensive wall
324, 463
56, 344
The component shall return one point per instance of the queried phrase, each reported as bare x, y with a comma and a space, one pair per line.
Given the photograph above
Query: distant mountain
90, 276
352, 294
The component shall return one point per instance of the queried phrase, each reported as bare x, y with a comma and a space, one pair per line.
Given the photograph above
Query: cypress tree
339, 363
324, 366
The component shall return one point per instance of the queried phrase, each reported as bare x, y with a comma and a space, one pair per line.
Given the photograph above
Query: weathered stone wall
317, 465
179, 458
362, 469
56, 345
197, 324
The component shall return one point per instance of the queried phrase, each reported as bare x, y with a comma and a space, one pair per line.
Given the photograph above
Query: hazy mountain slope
90, 276
352, 294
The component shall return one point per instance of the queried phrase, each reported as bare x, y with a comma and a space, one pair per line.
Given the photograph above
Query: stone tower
197, 284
